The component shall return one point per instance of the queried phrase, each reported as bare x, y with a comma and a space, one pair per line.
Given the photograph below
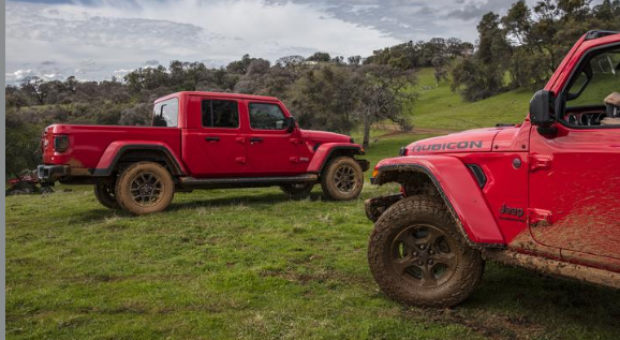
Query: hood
478, 140
325, 137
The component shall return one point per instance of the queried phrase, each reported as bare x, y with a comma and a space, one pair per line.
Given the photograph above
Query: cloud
95, 39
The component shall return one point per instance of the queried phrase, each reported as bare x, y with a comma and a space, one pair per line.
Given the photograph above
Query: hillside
441, 108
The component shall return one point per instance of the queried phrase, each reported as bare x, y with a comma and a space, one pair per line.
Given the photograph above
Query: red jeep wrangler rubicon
543, 194
202, 140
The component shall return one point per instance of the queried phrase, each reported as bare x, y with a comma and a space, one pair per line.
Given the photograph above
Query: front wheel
104, 192
144, 188
342, 179
418, 257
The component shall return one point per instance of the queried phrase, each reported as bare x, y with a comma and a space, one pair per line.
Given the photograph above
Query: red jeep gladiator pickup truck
202, 140
543, 194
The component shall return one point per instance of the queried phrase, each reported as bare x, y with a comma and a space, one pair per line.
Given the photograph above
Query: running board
558, 268
244, 182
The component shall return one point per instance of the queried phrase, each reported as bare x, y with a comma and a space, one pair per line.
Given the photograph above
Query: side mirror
289, 123
540, 109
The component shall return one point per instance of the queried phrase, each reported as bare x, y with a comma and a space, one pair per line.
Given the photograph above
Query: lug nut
430, 261
431, 252
422, 247
420, 263
415, 253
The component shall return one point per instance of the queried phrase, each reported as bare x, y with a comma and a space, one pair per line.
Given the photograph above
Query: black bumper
51, 173
364, 164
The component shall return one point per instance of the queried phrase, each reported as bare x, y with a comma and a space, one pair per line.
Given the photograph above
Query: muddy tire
297, 191
342, 179
105, 194
144, 188
418, 257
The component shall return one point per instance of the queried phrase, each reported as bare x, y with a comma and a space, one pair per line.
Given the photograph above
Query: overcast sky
96, 39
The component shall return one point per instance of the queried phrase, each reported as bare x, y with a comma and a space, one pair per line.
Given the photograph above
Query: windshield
166, 113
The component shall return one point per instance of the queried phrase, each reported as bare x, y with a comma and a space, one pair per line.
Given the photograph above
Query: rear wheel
297, 191
417, 256
104, 192
144, 188
342, 179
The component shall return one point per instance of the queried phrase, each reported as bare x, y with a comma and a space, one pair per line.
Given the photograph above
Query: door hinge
539, 217
539, 162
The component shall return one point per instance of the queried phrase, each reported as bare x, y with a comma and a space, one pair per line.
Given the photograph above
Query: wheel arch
458, 188
118, 153
325, 152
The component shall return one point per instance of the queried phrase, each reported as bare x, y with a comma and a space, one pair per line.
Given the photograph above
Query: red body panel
555, 196
88, 143
461, 190
200, 151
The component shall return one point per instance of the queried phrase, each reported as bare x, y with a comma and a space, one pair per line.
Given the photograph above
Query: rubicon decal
463, 145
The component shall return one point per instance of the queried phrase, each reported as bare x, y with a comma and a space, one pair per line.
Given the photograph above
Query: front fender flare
324, 152
459, 189
116, 149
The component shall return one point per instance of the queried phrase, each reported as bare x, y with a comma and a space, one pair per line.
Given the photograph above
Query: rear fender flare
325, 151
458, 188
114, 152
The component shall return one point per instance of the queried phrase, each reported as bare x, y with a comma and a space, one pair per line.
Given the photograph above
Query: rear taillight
61, 143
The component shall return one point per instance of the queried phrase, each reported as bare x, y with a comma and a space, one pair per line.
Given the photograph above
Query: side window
587, 94
166, 113
266, 117
600, 77
220, 114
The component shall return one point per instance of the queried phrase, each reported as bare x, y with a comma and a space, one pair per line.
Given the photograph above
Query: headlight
61, 143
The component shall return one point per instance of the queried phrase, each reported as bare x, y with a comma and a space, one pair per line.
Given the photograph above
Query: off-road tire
414, 214
334, 189
297, 191
105, 194
133, 176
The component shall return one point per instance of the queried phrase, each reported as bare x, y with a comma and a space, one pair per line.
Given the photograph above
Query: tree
319, 57
383, 96
354, 60
482, 75
325, 98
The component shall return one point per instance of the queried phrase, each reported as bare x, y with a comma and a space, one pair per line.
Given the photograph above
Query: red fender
324, 152
459, 189
116, 149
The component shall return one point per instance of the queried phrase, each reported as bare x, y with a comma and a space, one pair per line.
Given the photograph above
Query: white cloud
96, 39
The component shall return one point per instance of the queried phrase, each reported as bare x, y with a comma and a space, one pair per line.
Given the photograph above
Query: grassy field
250, 264
440, 108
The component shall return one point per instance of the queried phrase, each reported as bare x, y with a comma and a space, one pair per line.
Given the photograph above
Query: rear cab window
220, 114
166, 113
266, 116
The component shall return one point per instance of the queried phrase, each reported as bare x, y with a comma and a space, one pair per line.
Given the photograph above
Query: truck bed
87, 143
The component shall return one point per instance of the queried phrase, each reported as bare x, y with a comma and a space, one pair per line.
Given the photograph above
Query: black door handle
212, 139
255, 139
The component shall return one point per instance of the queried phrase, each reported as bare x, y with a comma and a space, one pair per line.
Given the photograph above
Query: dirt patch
490, 325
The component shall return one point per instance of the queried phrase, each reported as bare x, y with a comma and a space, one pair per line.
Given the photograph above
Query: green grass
250, 264
440, 108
